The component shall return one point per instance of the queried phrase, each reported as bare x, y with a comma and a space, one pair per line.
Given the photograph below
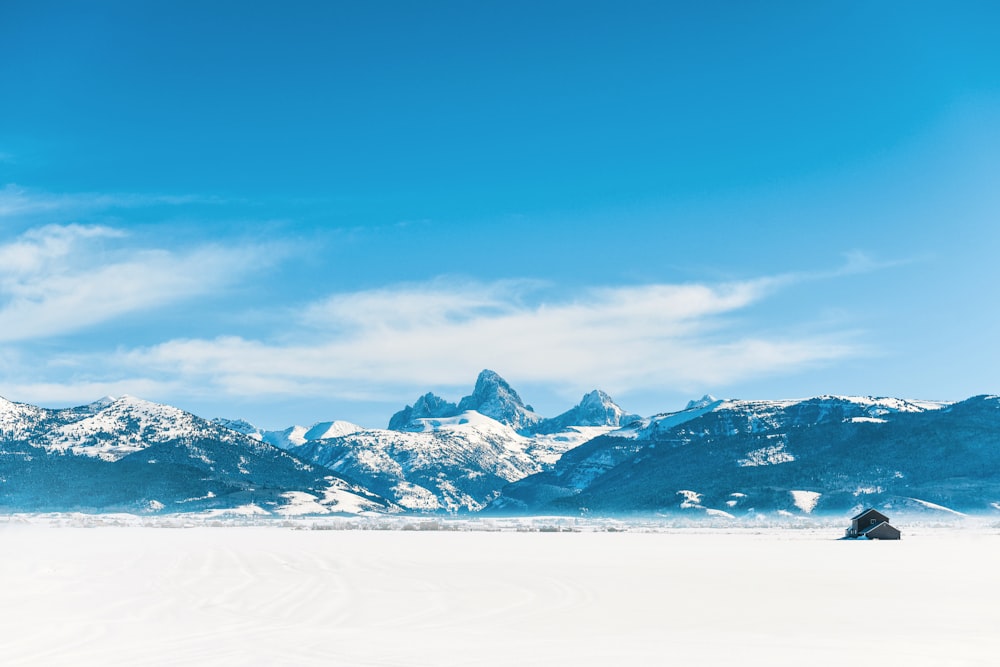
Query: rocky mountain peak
432, 405
596, 398
490, 388
428, 406
596, 408
496, 399
599, 409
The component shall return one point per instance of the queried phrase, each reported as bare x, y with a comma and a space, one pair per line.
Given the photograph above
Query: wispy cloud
37, 249
59, 279
858, 262
20, 202
441, 333
79, 392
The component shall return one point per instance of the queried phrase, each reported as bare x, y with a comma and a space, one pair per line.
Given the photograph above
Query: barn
873, 525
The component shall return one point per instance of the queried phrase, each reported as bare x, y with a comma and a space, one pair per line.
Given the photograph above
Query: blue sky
322, 210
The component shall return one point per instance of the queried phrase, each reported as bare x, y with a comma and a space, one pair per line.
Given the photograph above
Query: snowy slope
122, 427
454, 463
136, 454
828, 453
19, 421
292, 436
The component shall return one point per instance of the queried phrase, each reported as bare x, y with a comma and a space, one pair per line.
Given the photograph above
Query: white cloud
405, 307
20, 202
60, 279
15, 201
54, 280
35, 250
86, 391
858, 262
442, 333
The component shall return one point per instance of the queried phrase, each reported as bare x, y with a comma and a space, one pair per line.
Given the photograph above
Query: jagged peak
430, 401
494, 397
702, 402
429, 405
596, 397
489, 384
489, 375
596, 408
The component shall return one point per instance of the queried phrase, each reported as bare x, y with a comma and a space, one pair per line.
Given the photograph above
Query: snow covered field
266, 595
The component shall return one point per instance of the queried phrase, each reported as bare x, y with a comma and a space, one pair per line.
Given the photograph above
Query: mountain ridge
494, 397
718, 457
136, 455
740, 457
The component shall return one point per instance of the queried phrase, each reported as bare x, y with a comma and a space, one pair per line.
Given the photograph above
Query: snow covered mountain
292, 436
127, 453
595, 409
829, 453
495, 398
454, 463
428, 406
492, 397
439, 455
721, 457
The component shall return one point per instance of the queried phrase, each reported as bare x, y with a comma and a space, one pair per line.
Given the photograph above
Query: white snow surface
469, 419
648, 428
331, 429
691, 499
805, 500
299, 503
294, 436
216, 596
546, 449
894, 404
767, 456
935, 506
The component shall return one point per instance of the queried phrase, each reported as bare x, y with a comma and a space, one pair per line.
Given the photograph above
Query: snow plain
301, 593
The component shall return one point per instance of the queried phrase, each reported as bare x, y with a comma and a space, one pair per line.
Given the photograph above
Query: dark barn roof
867, 511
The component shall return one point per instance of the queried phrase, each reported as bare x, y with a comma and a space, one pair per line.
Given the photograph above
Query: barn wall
884, 532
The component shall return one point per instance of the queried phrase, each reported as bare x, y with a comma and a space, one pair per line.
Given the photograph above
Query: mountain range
439, 455
127, 454
491, 452
824, 454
